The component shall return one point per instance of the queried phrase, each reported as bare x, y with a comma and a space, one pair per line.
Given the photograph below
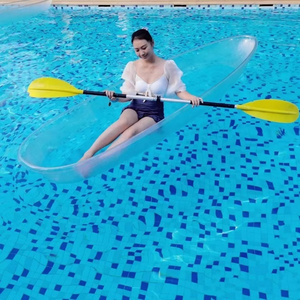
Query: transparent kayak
55, 148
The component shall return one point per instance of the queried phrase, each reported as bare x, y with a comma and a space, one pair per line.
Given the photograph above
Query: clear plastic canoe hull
55, 148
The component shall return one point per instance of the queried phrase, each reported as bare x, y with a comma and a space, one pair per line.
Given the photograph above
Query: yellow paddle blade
272, 110
47, 87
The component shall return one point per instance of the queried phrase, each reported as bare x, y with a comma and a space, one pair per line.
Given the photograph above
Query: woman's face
143, 49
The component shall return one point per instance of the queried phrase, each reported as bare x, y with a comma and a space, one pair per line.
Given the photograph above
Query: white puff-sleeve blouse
171, 71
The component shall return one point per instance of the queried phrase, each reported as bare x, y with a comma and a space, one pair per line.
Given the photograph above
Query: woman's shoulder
171, 67
170, 61
130, 66
129, 71
170, 64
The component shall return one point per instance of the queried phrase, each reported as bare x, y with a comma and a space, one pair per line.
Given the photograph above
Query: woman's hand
195, 101
110, 95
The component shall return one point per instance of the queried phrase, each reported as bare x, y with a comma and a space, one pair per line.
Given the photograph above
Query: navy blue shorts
151, 109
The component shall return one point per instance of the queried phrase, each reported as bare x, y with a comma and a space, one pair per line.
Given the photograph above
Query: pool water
211, 212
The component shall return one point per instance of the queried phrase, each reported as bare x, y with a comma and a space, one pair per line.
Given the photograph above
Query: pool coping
214, 6
174, 3
165, 3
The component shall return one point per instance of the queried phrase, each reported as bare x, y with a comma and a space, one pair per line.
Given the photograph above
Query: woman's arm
128, 86
187, 96
176, 85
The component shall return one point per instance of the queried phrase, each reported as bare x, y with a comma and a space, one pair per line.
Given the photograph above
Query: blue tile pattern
211, 212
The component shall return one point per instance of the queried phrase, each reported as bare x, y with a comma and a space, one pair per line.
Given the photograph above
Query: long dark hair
142, 34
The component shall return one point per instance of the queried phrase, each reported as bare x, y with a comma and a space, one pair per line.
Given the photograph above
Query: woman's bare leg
136, 128
126, 120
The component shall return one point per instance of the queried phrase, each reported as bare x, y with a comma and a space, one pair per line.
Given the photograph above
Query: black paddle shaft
103, 94
216, 104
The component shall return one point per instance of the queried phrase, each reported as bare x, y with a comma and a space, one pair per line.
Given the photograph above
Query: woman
149, 75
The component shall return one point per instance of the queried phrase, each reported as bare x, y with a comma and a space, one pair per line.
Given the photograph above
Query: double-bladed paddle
267, 109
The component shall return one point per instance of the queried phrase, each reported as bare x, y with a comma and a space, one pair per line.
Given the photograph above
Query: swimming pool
212, 212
